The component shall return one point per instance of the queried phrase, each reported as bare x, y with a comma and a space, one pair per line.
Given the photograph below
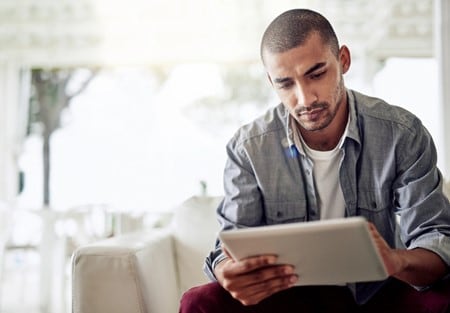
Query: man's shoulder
269, 122
378, 111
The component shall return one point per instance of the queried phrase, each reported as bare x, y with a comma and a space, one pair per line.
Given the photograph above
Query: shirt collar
353, 130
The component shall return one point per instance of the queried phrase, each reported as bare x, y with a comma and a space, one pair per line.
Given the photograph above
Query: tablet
328, 252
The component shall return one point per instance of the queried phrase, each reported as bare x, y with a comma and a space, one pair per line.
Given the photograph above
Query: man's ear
344, 59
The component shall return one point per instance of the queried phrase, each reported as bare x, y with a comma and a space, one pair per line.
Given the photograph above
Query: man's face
308, 79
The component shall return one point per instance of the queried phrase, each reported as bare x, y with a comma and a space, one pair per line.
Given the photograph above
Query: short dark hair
292, 28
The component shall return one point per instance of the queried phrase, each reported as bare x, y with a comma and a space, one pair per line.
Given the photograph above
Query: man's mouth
311, 114
314, 110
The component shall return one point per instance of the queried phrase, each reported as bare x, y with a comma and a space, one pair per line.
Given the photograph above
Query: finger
258, 292
269, 273
251, 264
273, 277
373, 230
241, 273
260, 279
387, 254
254, 263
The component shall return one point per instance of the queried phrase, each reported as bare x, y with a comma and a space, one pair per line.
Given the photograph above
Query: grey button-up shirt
388, 171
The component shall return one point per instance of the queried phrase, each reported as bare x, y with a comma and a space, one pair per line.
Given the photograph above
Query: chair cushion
195, 229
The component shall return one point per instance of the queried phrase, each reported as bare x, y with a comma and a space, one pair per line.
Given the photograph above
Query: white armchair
146, 272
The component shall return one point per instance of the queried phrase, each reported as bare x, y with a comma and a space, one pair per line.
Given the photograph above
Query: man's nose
305, 95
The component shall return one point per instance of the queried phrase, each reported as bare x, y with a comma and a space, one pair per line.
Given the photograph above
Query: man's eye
285, 86
317, 75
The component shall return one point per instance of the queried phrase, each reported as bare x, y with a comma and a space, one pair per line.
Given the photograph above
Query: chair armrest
128, 273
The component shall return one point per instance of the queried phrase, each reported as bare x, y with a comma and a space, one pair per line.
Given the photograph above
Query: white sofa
146, 272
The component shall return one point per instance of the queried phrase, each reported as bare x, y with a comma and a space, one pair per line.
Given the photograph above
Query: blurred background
113, 112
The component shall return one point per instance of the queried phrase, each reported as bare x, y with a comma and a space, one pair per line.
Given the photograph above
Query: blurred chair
146, 272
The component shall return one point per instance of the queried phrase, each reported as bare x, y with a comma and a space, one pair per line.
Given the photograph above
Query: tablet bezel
336, 251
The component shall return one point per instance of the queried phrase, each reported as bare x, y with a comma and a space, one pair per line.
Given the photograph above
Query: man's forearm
420, 267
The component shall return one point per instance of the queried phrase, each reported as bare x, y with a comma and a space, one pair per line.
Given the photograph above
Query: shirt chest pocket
279, 212
377, 207
373, 202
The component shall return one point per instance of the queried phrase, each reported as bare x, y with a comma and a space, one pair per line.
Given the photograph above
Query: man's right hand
253, 279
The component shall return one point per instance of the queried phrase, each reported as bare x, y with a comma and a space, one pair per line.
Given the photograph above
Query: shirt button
308, 172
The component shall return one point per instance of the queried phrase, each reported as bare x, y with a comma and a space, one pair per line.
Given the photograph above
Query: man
329, 152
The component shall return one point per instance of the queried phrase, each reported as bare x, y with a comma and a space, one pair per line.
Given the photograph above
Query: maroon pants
395, 297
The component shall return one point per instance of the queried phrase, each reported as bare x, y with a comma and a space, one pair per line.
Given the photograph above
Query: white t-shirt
326, 180
330, 198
